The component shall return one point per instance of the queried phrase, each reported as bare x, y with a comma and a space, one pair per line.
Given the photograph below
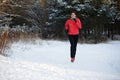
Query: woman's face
73, 15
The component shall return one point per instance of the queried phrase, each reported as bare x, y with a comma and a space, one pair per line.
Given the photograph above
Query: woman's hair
73, 12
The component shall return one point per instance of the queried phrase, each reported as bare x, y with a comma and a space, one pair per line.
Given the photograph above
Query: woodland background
46, 18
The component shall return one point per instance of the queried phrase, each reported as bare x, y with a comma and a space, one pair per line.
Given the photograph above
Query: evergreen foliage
95, 16
100, 19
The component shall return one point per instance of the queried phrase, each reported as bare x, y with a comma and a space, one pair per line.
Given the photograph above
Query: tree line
46, 18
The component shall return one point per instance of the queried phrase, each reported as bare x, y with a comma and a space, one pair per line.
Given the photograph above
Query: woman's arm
78, 23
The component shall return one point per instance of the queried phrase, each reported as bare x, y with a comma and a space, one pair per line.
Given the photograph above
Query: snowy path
10, 70
49, 60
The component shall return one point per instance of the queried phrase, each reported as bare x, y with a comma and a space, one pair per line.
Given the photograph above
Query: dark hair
73, 12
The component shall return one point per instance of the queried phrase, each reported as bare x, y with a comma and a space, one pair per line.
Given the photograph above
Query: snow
50, 60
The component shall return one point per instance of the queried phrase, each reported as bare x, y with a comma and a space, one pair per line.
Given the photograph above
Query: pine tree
94, 15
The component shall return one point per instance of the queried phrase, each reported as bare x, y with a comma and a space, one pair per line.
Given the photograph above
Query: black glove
75, 20
66, 31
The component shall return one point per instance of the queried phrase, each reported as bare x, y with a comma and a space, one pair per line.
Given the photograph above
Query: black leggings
73, 41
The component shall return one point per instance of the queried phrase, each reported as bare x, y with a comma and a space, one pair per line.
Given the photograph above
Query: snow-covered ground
50, 60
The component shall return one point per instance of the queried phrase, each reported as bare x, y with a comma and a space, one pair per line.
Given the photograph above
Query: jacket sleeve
67, 25
78, 23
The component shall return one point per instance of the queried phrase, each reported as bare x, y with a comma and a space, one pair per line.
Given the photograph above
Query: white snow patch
50, 60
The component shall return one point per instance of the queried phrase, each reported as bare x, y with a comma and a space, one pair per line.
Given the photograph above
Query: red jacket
73, 27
